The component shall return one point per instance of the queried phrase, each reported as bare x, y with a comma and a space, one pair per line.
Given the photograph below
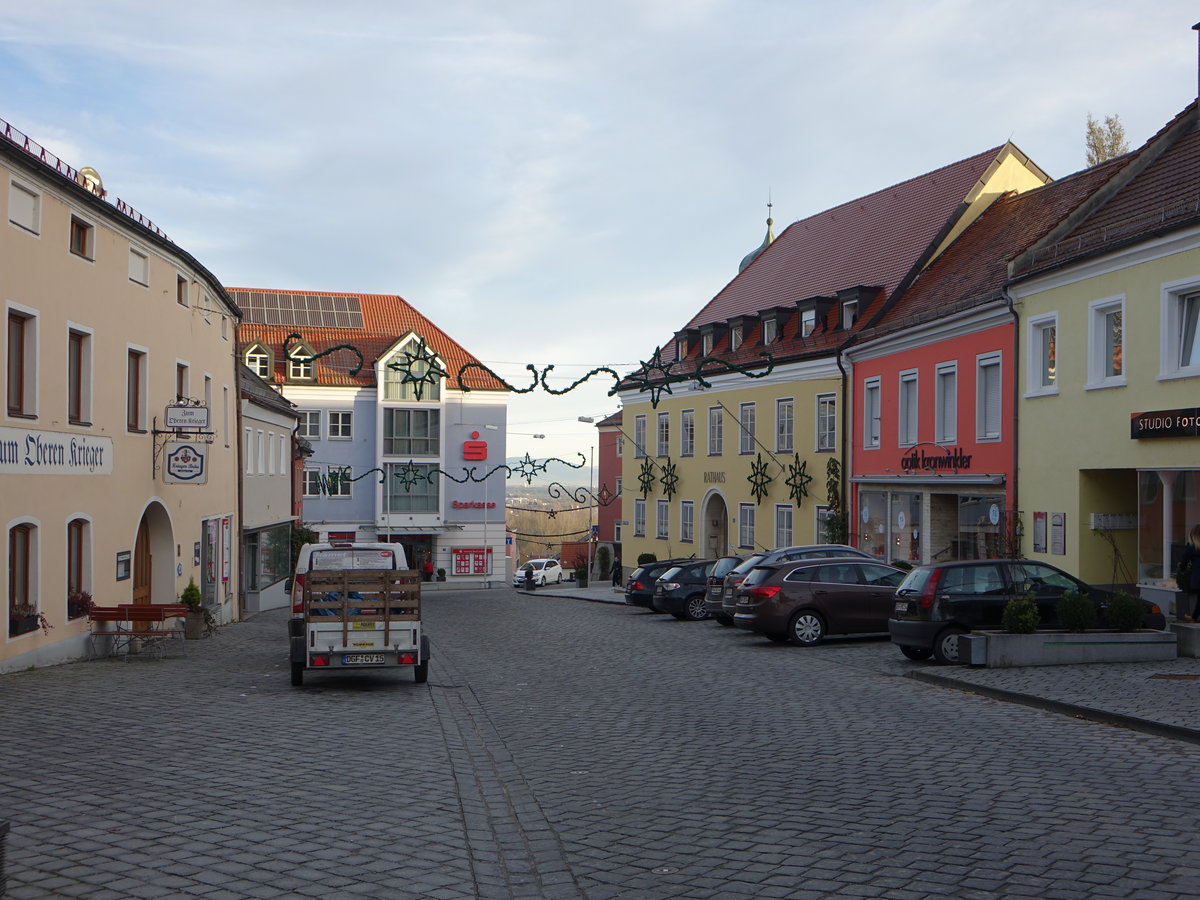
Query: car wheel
946, 646
806, 628
558, 580
916, 653
696, 609
297, 674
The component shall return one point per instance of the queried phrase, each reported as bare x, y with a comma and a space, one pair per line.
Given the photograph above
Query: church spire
753, 254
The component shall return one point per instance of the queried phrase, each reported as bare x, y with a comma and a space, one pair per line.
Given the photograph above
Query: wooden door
141, 564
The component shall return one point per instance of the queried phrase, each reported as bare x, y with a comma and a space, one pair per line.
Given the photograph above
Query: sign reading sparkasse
1165, 423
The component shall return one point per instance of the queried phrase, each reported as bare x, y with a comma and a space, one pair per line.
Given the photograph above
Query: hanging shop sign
186, 417
1165, 423
185, 463
26, 452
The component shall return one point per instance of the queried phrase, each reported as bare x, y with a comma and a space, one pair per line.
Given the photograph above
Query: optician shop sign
1165, 423
26, 452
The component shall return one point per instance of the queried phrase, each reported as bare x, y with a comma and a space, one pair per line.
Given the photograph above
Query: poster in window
1058, 533
1039, 532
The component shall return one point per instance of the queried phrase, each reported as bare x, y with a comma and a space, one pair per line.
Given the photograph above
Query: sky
557, 182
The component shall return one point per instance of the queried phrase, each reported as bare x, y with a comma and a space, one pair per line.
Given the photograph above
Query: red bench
151, 624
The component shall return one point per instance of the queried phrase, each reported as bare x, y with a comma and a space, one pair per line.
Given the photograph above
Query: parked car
680, 590
639, 589
802, 602
544, 572
937, 603
728, 606
715, 587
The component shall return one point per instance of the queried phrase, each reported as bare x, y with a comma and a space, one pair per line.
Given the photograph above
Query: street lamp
592, 499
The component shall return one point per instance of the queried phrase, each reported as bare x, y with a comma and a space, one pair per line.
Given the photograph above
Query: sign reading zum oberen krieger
24, 452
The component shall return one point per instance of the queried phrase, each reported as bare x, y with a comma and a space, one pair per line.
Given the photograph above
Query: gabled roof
1155, 191
974, 269
386, 319
257, 391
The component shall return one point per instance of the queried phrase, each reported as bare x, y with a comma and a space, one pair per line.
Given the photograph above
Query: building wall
95, 295
266, 503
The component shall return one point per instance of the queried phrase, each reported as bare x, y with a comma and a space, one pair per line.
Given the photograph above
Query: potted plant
24, 619
79, 604
199, 621
441, 574
581, 572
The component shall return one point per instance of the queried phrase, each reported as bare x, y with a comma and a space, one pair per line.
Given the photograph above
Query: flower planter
1189, 638
193, 625
998, 650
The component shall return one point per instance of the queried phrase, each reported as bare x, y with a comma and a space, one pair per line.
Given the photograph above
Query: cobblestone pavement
575, 750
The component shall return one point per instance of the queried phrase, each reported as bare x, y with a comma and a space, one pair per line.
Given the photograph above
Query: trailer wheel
421, 672
297, 674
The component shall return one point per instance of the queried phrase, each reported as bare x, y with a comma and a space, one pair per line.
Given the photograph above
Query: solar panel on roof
300, 310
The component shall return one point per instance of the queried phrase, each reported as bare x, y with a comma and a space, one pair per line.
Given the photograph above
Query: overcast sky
557, 182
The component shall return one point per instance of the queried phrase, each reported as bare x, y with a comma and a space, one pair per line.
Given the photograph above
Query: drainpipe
1016, 386
846, 445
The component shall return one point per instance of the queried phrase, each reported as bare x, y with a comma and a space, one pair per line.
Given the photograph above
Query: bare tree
1105, 139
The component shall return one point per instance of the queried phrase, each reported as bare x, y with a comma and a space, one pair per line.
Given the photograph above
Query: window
664, 434
260, 452
258, 360
822, 524
1042, 376
908, 409
706, 343
687, 432
135, 390
248, 450
849, 313
716, 438
620, 445
24, 207
808, 322
681, 349
82, 238
871, 413
312, 482
785, 425
946, 412
412, 373
770, 331
783, 525
139, 267
639, 436
22, 579
271, 437
988, 397
1179, 340
618, 487
639, 517
181, 381
662, 514
413, 490
338, 480
687, 520
340, 425
79, 377
1189, 347
181, 290
1106, 366
746, 428
21, 368
300, 364
78, 565
826, 421
745, 524
411, 432
735, 337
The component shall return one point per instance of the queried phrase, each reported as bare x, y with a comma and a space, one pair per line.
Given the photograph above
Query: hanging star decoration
605, 497
553, 513
798, 480
409, 475
654, 376
646, 477
759, 480
669, 479
420, 368
528, 468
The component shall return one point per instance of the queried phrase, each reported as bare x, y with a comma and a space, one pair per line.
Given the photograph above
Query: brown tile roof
386, 319
974, 269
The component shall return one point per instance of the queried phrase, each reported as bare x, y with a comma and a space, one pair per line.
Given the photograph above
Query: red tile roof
386, 319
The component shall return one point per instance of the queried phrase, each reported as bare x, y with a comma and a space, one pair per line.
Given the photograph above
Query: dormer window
300, 364
258, 360
770, 331
412, 373
735, 337
808, 322
681, 348
849, 313
706, 343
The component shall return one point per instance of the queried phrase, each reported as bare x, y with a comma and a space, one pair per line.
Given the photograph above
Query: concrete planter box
997, 650
1189, 638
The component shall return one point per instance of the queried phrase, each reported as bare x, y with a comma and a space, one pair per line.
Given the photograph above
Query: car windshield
747, 564
671, 574
915, 580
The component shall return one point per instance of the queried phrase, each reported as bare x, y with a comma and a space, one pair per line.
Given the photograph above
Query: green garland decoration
759, 480
602, 369
670, 479
646, 477
798, 480
433, 369
287, 344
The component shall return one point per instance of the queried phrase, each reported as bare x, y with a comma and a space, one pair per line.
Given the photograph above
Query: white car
544, 572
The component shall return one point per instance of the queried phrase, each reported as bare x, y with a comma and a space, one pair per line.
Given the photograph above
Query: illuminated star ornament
759, 479
409, 475
798, 480
658, 384
646, 478
529, 469
420, 368
670, 479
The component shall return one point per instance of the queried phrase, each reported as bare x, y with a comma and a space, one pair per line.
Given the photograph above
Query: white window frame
849, 314
639, 436
1041, 378
735, 337
347, 426
908, 421
310, 481
662, 520
945, 432
826, 428
746, 525
309, 426
770, 331
785, 425
1174, 300
300, 364
872, 388
639, 517
687, 432
784, 522
1099, 354
808, 322
663, 435
716, 431
28, 215
706, 344
258, 360
345, 487
746, 428
984, 364
687, 521
139, 266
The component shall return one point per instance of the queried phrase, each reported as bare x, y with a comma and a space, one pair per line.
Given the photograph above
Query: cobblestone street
566, 749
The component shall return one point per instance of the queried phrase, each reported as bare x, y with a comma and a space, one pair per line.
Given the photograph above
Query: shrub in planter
644, 558
1125, 612
1021, 615
1076, 611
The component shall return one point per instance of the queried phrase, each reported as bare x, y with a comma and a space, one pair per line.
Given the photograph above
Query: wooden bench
152, 624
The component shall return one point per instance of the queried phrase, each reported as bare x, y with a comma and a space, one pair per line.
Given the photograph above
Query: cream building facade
108, 323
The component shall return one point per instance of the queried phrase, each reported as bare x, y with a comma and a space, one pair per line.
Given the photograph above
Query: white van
342, 555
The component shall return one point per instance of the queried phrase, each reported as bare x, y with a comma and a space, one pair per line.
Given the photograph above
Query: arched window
258, 360
300, 363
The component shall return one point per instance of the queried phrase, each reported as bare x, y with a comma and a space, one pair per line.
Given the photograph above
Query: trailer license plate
362, 659
901, 609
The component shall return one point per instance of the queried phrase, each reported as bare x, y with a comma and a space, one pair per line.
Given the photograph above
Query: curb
1120, 720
